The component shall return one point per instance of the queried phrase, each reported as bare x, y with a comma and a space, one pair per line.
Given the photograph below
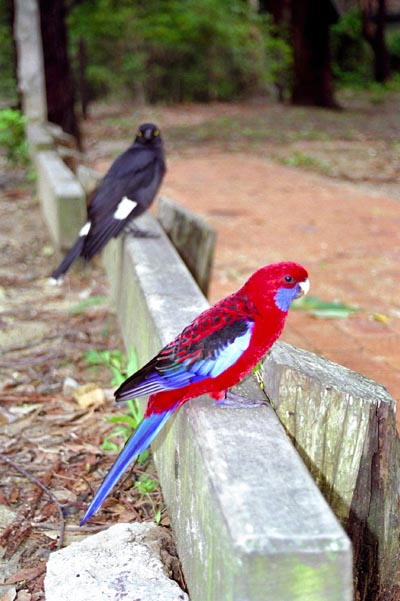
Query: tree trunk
59, 85
373, 26
83, 86
313, 84
11, 21
279, 9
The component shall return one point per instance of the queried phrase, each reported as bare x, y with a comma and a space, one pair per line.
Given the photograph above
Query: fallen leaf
381, 317
89, 394
324, 309
24, 596
25, 574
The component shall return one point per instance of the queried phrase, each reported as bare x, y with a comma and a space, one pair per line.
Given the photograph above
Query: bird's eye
139, 133
156, 132
288, 279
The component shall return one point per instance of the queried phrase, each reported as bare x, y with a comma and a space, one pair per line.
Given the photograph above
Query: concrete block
344, 427
62, 198
88, 178
249, 521
39, 138
123, 562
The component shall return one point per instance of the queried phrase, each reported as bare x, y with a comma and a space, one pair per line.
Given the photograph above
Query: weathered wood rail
249, 520
246, 515
343, 426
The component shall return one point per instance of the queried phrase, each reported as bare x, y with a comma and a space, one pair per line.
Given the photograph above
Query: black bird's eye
139, 133
156, 132
288, 279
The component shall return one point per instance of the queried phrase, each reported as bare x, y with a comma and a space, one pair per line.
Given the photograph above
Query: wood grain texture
343, 426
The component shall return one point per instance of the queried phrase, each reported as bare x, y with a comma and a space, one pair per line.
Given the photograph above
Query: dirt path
343, 227
223, 164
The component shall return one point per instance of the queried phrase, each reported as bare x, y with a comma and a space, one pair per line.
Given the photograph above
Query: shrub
178, 51
352, 56
12, 136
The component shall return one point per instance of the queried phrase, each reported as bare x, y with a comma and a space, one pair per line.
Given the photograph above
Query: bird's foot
136, 232
236, 401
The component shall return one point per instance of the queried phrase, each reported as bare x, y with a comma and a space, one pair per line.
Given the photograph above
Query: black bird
126, 191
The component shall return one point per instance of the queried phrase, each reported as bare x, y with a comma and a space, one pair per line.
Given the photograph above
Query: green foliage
279, 53
201, 49
324, 309
109, 30
258, 372
145, 486
12, 136
120, 367
92, 301
393, 46
352, 56
116, 361
8, 85
301, 159
174, 51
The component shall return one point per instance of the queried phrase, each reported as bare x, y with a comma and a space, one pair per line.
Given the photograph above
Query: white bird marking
124, 208
85, 229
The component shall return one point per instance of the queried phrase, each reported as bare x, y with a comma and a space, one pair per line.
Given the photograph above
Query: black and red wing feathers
207, 347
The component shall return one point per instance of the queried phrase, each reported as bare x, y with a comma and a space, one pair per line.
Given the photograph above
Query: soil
285, 183
277, 183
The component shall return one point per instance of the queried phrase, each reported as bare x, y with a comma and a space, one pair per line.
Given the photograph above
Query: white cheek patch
85, 229
124, 208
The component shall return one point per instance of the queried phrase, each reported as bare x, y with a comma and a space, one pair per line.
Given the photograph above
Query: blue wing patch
186, 362
224, 357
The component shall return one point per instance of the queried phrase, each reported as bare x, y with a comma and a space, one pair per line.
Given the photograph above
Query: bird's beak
147, 134
304, 287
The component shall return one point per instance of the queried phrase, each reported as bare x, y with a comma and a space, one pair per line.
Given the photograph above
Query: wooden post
31, 80
343, 426
193, 238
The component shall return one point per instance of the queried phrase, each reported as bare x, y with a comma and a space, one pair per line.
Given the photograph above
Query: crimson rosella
210, 355
127, 190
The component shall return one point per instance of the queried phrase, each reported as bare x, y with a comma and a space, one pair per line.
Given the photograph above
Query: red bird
212, 354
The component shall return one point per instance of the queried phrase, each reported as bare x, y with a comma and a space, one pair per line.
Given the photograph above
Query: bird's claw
136, 232
236, 401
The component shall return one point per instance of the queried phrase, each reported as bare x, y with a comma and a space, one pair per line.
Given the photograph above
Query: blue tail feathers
137, 443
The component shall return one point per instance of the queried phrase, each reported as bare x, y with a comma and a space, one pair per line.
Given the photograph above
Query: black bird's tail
70, 257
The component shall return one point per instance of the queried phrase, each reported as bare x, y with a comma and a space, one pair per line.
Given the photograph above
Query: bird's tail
71, 256
137, 443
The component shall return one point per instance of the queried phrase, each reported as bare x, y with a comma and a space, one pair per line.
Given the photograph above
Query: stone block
62, 198
38, 137
123, 562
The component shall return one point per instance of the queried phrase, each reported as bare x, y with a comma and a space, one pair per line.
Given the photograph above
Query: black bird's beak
148, 134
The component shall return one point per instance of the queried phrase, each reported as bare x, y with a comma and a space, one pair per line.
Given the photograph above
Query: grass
301, 159
126, 424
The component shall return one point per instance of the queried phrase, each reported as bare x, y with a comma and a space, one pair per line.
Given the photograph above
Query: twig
70, 528
44, 488
65, 334
31, 343
52, 355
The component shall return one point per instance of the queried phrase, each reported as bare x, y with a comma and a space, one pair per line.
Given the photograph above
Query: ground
278, 183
